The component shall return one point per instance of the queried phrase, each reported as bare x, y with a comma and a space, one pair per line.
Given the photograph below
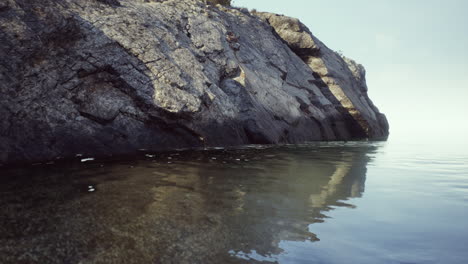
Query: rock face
114, 76
341, 79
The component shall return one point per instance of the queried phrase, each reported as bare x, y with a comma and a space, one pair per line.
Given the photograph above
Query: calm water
355, 202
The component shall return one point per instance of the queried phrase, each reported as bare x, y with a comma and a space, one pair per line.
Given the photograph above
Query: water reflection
193, 207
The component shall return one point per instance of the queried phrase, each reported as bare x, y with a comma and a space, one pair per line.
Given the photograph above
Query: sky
415, 53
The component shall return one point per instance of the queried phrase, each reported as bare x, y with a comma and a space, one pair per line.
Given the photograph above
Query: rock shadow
207, 207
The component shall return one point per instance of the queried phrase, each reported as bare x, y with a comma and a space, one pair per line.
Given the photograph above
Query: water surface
355, 202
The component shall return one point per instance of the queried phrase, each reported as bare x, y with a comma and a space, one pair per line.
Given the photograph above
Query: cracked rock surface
113, 76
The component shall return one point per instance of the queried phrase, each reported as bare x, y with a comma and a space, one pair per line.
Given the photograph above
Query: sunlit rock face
111, 77
342, 80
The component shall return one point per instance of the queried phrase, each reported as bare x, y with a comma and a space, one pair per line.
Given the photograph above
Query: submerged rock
111, 77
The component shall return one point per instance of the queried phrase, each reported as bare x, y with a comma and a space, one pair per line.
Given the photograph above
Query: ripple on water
353, 202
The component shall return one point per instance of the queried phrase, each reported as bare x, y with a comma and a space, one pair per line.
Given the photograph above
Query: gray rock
341, 79
110, 77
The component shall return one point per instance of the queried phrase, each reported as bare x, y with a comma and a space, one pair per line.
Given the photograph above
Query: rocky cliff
114, 76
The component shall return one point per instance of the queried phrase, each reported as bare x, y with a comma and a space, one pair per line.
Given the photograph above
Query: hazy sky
415, 53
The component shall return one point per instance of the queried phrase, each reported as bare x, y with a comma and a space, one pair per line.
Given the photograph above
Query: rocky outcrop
114, 76
341, 79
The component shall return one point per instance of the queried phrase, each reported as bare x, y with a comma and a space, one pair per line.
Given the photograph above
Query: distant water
355, 202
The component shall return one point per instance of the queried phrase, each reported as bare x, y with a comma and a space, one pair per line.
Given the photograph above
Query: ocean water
340, 202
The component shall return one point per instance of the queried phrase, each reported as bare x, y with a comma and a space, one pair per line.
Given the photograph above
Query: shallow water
355, 202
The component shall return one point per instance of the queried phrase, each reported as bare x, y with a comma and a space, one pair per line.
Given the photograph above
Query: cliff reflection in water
197, 207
